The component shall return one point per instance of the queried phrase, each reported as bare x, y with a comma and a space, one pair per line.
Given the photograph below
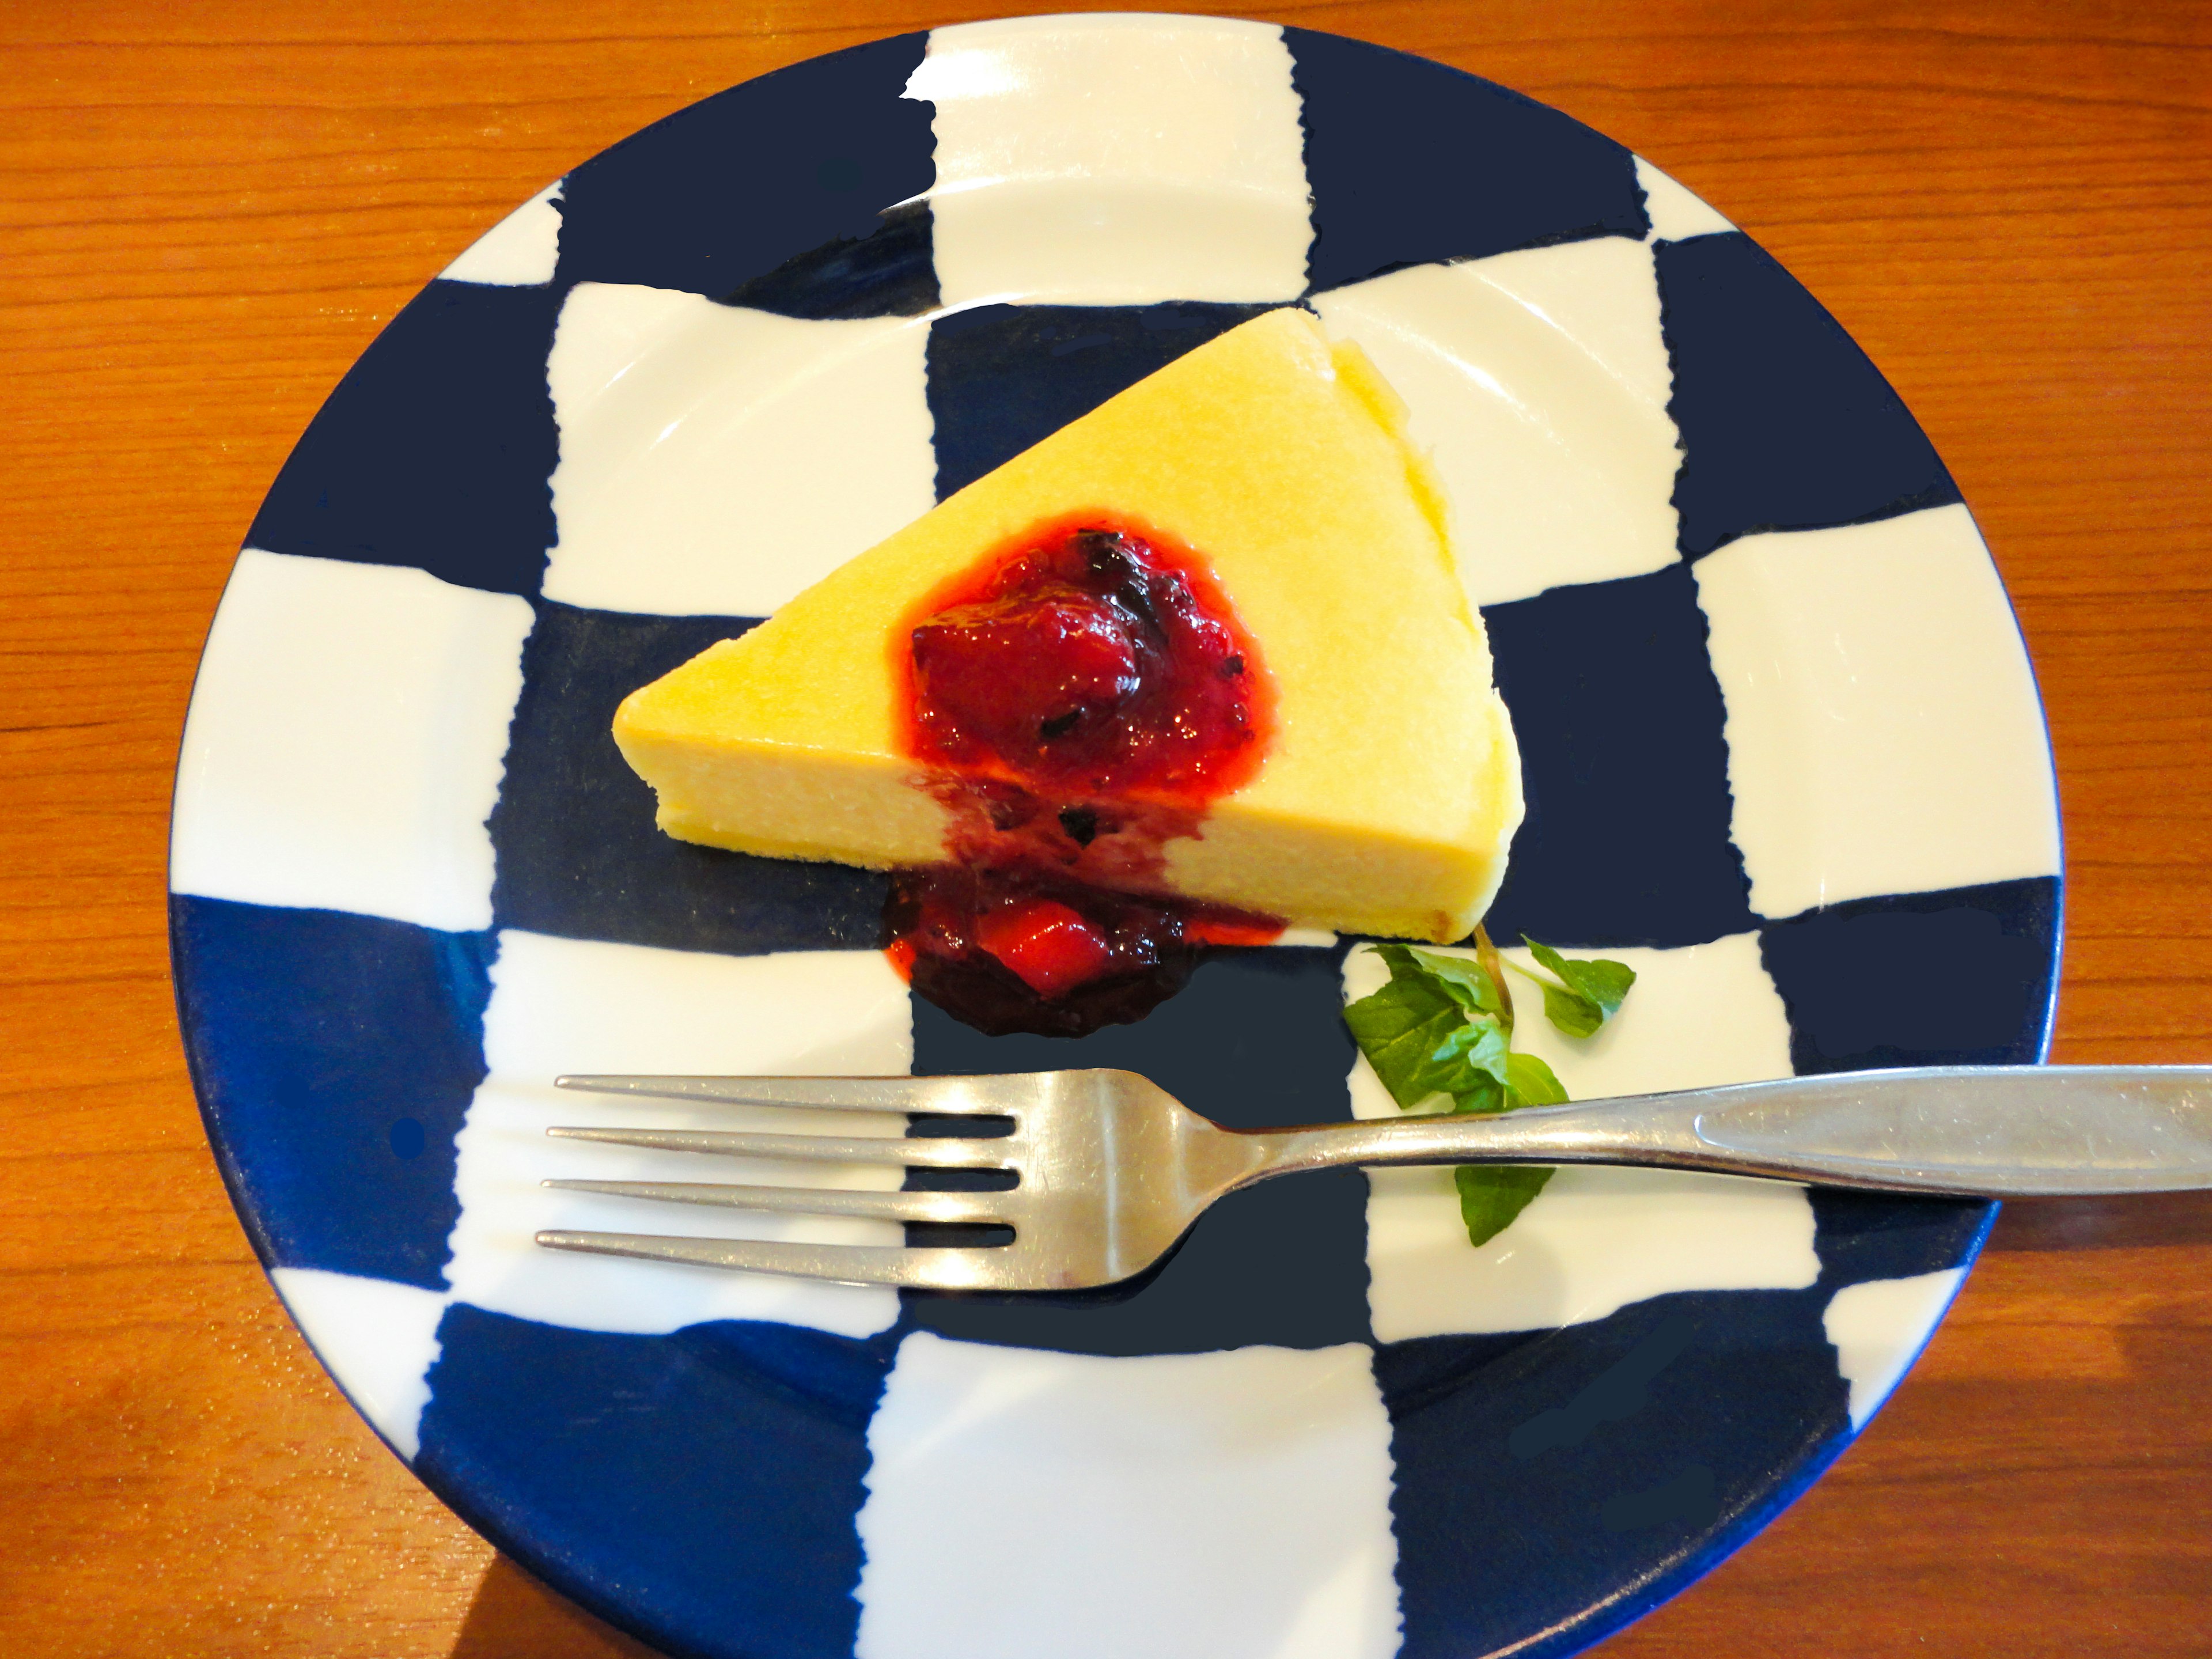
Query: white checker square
378, 1338
520, 251
1538, 381
1676, 212
560, 1005
1115, 160
717, 460
1596, 1239
1227, 1505
1892, 641
346, 742
1879, 1327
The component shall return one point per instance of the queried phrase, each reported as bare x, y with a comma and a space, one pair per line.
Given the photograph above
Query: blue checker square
578, 852
1004, 378
1866, 1235
700, 1488
1625, 769
1254, 1041
723, 193
1411, 161
1962, 977
435, 449
1786, 424
1529, 1463
337, 1142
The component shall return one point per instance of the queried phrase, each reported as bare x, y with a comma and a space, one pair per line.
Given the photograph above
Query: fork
1109, 1170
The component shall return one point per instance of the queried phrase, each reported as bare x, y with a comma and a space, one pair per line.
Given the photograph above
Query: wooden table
210, 210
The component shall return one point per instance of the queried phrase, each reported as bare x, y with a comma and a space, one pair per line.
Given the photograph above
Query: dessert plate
1784, 756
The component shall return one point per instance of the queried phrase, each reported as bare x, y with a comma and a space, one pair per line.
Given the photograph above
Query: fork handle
1978, 1131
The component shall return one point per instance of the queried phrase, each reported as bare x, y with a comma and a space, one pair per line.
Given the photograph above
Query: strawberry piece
1050, 947
1011, 677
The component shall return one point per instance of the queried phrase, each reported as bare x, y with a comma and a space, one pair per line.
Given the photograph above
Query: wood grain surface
206, 212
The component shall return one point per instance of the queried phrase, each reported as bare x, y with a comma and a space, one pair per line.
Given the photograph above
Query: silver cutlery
1108, 1171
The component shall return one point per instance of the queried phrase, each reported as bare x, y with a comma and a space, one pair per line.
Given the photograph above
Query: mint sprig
1444, 1025
1434, 1029
1530, 1082
1588, 992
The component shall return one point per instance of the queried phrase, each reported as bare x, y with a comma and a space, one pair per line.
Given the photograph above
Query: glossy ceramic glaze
1784, 756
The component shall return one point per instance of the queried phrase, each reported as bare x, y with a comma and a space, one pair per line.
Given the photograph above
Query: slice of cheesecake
1387, 785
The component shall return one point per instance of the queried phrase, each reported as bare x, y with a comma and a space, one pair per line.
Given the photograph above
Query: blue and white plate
1783, 753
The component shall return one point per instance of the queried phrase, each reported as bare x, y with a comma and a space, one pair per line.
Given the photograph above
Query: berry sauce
1076, 701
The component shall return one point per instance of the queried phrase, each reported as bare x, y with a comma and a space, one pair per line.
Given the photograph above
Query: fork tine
936, 1096
849, 1264
933, 1152
801, 1200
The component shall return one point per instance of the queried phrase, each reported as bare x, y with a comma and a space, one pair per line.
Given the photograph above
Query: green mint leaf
1530, 1082
1398, 958
1479, 1045
1400, 1028
1429, 1031
1482, 1097
1590, 991
1603, 980
1573, 1013
1465, 981
1492, 1195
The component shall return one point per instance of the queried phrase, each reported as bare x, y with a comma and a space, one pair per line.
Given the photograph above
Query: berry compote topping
1079, 701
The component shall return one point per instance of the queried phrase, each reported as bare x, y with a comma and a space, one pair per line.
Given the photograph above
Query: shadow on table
2104, 1223
515, 1616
